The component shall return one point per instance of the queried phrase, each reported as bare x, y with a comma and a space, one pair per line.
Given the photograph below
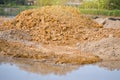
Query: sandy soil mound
58, 34
106, 48
53, 24
18, 50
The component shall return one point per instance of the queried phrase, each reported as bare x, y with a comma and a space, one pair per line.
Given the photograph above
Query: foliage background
101, 4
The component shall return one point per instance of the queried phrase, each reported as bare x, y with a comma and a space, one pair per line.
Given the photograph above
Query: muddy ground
105, 49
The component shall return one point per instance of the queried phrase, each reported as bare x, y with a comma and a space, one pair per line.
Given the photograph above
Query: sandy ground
106, 49
108, 22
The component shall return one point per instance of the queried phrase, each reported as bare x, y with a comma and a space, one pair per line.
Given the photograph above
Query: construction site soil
58, 34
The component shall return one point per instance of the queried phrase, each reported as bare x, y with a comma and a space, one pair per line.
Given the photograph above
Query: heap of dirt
106, 48
18, 50
57, 25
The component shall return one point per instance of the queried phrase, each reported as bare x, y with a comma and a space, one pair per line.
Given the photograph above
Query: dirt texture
58, 34
109, 22
57, 25
106, 48
13, 49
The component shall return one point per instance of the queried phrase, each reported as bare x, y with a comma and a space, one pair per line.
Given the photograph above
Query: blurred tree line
101, 4
13, 2
50, 2
94, 4
38, 2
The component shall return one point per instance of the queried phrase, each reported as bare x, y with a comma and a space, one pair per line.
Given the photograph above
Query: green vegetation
95, 7
101, 12
50, 2
101, 4
12, 2
37, 2
101, 7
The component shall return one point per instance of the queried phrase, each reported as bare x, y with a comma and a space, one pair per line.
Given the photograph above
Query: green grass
101, 12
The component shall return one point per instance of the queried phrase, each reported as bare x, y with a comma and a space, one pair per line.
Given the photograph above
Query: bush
101, 12
101, 4
50, 2
89, 4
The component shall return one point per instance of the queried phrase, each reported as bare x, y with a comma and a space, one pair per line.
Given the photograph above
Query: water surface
28, 70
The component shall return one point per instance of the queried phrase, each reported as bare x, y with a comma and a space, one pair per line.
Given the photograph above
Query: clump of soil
57, 25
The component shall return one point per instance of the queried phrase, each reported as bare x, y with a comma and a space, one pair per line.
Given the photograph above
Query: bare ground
106, 48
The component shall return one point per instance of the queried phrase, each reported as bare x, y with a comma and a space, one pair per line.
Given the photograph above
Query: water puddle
13, 69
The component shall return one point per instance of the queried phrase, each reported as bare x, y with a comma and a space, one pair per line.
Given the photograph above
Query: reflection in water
40, 67
16, 69
110, 65
43, 68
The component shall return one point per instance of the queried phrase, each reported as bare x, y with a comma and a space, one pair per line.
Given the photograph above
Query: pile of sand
61, 27
18, 50
53, 24
106, 48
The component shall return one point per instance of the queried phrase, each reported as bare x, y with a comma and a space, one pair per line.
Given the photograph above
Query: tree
113, 4
20, 2
1, 2
13, 2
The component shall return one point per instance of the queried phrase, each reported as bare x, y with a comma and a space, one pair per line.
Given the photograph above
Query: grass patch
101, 12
